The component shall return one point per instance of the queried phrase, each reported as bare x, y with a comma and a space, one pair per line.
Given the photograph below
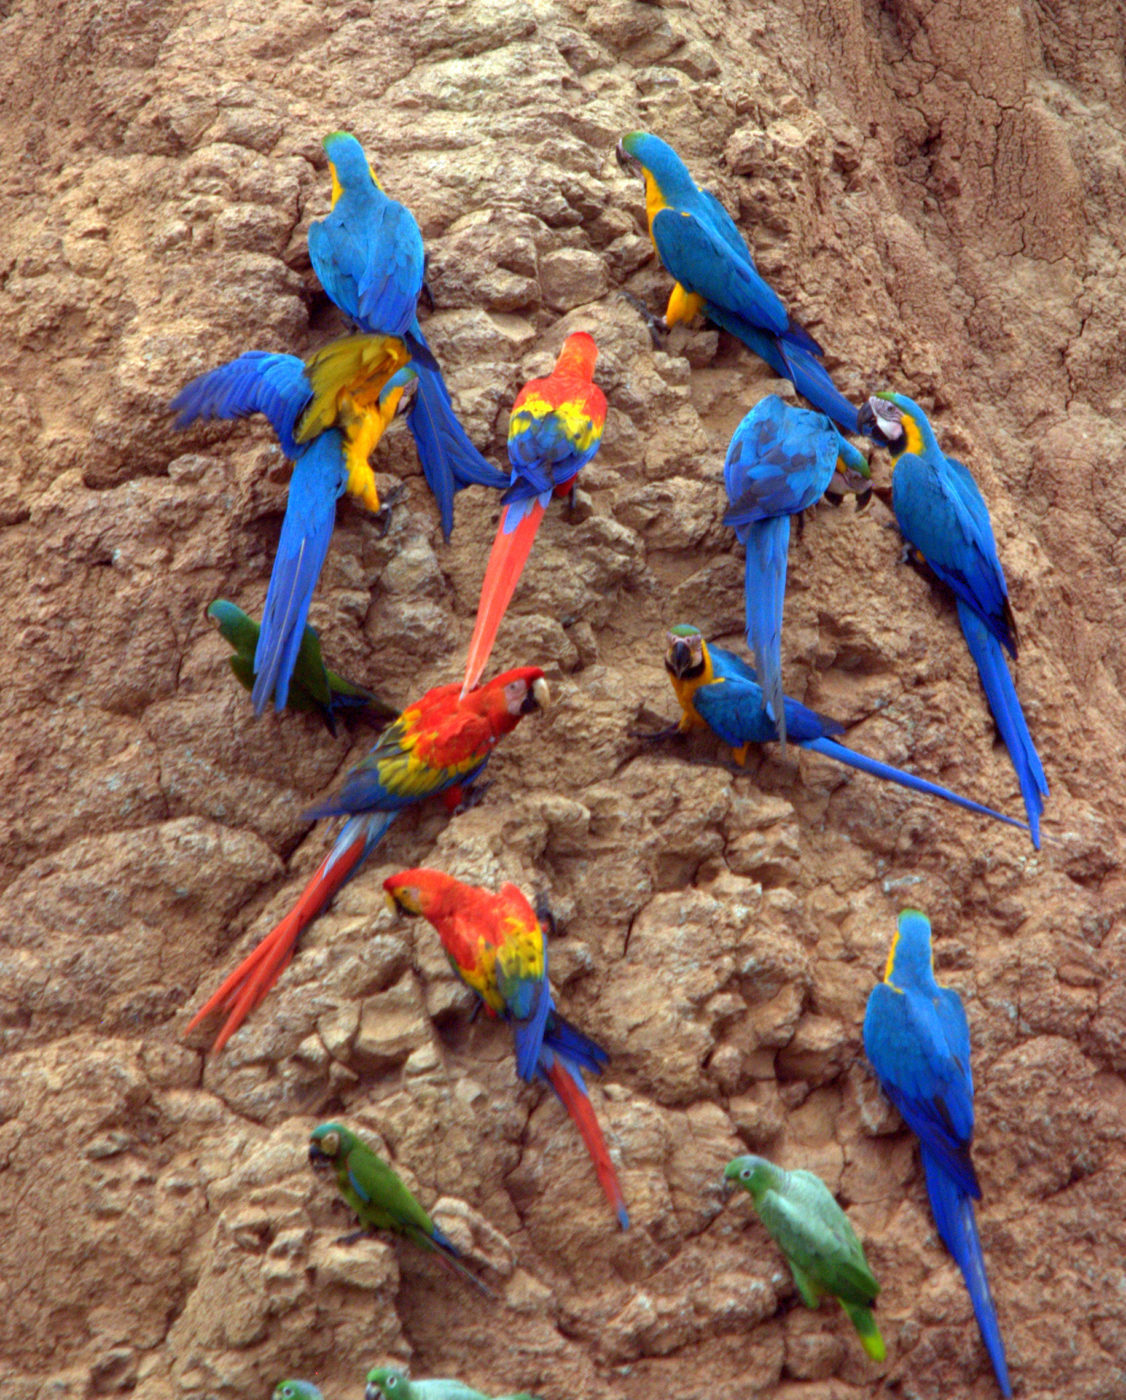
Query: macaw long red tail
502, 573
568, 1085
256, 974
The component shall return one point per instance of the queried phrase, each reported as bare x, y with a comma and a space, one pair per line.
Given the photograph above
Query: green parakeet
378, 1197
296, 1390
312, 688
387, 1384
820, 1246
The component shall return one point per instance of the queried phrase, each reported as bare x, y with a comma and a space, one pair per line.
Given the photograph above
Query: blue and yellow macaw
942, 515
718, 691
328, 414
369, 257
700, 246
779, 462
918, 1041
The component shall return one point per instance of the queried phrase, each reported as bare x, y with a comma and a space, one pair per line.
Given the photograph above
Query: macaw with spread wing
942, 515
917, 1038
720, 692
554, 429
379, 1197
328, 413
389, 1383
313, 688
815, 1235
779, 462
496, 945
438, 745
369, 257
713, 271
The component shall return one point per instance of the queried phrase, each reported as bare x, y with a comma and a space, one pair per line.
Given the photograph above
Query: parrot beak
318, 1160
537, 698
372, 1392
881, 421
630, 164
392, 903
679, 658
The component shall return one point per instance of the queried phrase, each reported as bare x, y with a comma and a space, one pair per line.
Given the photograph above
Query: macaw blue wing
712, 212
357, 1186
572, 1044
700, 259
319, 477
779, 461
905, 1040
257, 382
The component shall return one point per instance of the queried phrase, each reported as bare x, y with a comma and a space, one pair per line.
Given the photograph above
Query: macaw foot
655, 736
471, 796
390, 500
542, 905
658, 326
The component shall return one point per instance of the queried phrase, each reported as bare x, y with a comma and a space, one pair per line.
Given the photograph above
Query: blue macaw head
685, 657
645, 154
911, 960
897, 423
401, 386
350, 167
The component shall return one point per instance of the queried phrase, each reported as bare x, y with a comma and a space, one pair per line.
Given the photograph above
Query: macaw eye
391, 1383
745, 1174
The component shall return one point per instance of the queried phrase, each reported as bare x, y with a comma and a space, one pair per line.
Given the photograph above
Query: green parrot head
385, 1383
296, 1390
753, 1174
329, 1143
685, 655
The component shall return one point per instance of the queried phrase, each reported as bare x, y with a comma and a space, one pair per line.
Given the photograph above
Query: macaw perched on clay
496, 945
821, 1247
369, 258
328, 413
313, 689
386, 1383
438, 745
700, 246
942, 515
379, 1197
296, 1390
779, 462
917, 1039
718, 691
554, 429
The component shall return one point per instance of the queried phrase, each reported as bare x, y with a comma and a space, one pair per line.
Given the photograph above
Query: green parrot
820, 1246
386, 1384
296, 1390
378, 1196
312, 688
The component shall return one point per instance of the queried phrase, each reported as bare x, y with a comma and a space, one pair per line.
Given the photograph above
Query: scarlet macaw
779, 462
439, 744
369, 258
312, 687
379, 1197
815, 1235
496, 945
699, 244
918, 1041
718, 691
554, 429
328, 413
942, 514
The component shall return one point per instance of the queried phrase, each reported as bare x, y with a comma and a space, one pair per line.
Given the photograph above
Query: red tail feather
579, 1106
502, 573
257, 973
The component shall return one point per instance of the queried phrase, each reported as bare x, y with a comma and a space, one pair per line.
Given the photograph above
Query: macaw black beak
318, 1160
630, 164
537, 698
679, 659
866, 420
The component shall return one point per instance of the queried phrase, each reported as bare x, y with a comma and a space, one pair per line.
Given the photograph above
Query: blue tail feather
318, 479
570, 1043
831, 749
793, 362
957, 1228
1002, 696
767, 543
449, 460
530, 1034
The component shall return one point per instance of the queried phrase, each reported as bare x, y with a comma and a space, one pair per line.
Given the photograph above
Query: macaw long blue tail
767, 543
793, 362
449, 460
957, 1228
569, 1041
530, 1033
310, 513
831, 749
1002, 696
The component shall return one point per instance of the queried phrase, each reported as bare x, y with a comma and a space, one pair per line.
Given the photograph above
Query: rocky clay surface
937, 190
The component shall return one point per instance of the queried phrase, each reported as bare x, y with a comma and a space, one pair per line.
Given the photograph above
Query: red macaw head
515, 693
419, 891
